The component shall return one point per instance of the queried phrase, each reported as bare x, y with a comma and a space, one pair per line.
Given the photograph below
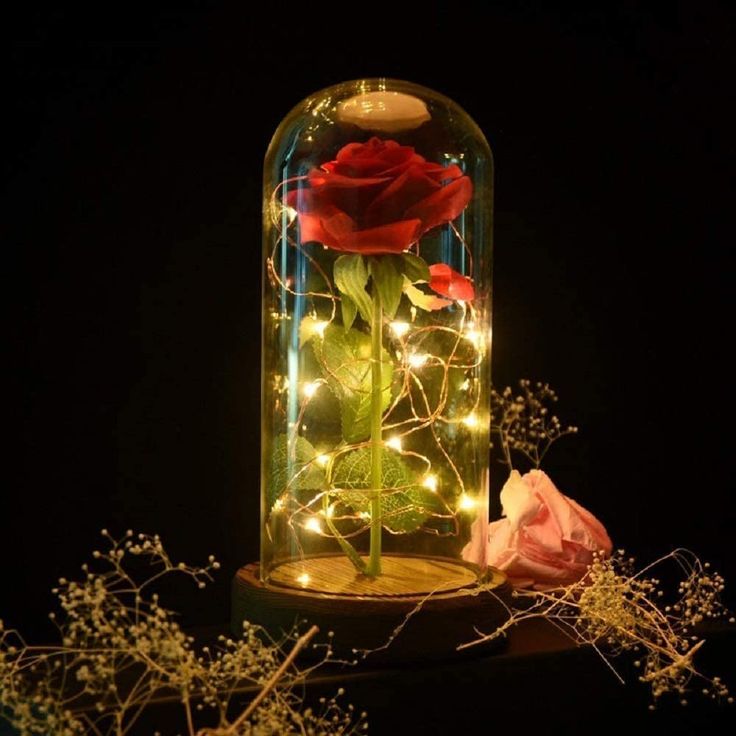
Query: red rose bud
378, 197
448, 282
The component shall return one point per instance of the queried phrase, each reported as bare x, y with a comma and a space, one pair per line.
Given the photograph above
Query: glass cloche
377, 254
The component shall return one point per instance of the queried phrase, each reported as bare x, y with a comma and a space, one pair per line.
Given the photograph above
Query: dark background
132, 176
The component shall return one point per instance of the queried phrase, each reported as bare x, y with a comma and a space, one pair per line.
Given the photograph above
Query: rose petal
476, 550
444, 205
400, 168
328, 227
393, 200
443, 173
448, 282
393, 238
373, 157
321, 179
352, 196
574, 523
518, 501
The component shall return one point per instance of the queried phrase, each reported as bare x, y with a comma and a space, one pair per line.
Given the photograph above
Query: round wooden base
425, 607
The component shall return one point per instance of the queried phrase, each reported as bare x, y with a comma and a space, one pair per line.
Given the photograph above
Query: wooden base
440, 602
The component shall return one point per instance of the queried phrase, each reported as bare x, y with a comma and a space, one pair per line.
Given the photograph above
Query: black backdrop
132, 250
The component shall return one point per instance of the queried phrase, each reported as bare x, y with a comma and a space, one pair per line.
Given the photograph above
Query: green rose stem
374, 559
345, 546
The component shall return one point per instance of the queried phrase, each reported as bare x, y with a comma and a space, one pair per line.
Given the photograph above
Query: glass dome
376, 342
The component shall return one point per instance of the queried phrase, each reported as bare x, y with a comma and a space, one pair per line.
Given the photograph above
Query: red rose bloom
448, 282
378, 197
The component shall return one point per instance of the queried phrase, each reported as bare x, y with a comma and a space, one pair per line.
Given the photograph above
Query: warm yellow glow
466, 503
310, 389
471, 421
312, 525
399, 328
394, 443
322, 460
310, 327
365, 515
329, 512
430, 482
474, 336
291, 214
303, 579
417, 360
278, 505
465, 385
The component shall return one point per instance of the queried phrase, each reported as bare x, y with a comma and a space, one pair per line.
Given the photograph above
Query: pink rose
546, 538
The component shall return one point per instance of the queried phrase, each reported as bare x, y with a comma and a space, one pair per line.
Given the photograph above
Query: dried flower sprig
618, 610
522, 421
122, 651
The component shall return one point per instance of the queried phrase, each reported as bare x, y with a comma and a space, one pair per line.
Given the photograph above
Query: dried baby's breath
618, 610
121, 651
524, 421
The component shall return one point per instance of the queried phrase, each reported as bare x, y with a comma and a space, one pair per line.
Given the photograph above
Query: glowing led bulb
312, 525
303, 579
473, 336
466, 503
394, 443
278, 505
399, 328
471, 421
465, 385
430, 482
329, 512
322, 460
311, 326
310, 389
417, 360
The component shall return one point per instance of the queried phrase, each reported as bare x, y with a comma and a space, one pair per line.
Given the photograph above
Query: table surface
539, 683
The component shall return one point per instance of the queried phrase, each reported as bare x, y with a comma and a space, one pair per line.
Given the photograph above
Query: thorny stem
374, 559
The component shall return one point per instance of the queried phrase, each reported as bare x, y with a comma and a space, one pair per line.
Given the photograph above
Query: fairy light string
423, 352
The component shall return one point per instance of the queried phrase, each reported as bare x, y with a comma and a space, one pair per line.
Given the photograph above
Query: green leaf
292, 468
418, 298
414, 267
344, 357
402, 511
351, 276
388, 280
349, 310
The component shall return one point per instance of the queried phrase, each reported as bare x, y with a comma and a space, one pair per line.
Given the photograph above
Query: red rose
448, 282
378, 197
